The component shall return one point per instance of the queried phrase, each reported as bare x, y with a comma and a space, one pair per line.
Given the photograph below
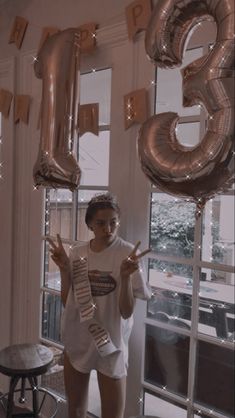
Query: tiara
103, 198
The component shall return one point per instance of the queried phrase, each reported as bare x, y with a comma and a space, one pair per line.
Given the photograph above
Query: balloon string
56, 211
199, 208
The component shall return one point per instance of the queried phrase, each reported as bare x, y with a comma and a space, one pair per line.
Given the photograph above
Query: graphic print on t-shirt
102, 283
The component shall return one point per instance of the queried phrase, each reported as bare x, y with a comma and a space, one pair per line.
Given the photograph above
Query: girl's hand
58, 254
130, 264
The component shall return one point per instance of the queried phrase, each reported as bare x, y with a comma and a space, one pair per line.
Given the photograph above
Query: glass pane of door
166, 359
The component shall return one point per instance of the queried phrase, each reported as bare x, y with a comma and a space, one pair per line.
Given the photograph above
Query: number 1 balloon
58, 64
195, 173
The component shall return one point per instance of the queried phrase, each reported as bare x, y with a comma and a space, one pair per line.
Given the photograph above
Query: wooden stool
25, 362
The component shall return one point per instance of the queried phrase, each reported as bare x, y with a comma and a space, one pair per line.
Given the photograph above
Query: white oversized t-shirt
104, 278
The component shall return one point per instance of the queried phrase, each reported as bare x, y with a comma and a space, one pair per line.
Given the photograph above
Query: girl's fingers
143, 253
134, 249
133, 256
59, 240
60, 243
51, 242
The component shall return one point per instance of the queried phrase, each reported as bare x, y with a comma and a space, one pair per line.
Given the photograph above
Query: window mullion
195, 317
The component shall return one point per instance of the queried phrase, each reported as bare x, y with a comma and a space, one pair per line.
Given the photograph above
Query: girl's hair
101, 201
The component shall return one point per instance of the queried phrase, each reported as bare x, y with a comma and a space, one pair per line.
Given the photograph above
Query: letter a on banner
137, 16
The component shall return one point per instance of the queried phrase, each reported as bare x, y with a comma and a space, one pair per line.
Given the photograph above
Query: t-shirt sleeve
141, 287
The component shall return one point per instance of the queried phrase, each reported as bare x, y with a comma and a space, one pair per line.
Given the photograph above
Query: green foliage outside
172, 233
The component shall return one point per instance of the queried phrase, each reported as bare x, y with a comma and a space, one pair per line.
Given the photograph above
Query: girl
99, 283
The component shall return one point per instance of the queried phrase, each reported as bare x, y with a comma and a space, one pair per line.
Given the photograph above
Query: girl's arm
126, 298
61, 259
65, 284
128, 266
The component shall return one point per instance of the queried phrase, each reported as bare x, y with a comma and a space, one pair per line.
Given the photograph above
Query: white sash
83, 297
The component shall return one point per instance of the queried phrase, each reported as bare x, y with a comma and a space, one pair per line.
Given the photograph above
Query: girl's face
105, 224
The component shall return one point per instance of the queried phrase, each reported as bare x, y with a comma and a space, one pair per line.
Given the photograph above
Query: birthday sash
83, 298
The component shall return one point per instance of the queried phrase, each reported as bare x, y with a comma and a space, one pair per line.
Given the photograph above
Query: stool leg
10, 399
22, 391
34, 385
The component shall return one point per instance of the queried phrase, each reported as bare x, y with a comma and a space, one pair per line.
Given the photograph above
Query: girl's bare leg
76, 388
113, 396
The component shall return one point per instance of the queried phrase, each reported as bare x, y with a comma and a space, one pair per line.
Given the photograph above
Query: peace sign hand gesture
130, 264
58, 254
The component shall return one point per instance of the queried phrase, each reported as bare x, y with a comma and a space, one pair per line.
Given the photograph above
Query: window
190, 325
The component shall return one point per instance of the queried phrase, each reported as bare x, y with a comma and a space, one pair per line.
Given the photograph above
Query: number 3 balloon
58, 66
196, 173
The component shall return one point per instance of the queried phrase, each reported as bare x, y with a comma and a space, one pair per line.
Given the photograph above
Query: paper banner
88, 118
137, 16
21, 108
82, 289
18, 31
135, 107
46, 33
102, 339
88, 37
83, 298
5, 102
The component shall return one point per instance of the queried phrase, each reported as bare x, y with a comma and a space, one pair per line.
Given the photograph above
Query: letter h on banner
135, 107
88, 118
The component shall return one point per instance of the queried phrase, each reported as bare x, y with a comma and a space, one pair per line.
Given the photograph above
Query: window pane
94, 396
96, 88
166, 359
172, 288
164, 409
94, 158
215, 377
51, 312
58, 213
218, 230
188, 134
169, 87
172, 225
216, 312
54, 378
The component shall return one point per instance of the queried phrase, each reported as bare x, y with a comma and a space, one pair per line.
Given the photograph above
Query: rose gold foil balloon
58, 65
200, 172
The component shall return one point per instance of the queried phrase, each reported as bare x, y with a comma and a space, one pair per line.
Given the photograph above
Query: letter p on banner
137, 15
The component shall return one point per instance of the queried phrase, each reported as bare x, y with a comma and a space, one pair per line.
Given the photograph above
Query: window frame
197, 263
